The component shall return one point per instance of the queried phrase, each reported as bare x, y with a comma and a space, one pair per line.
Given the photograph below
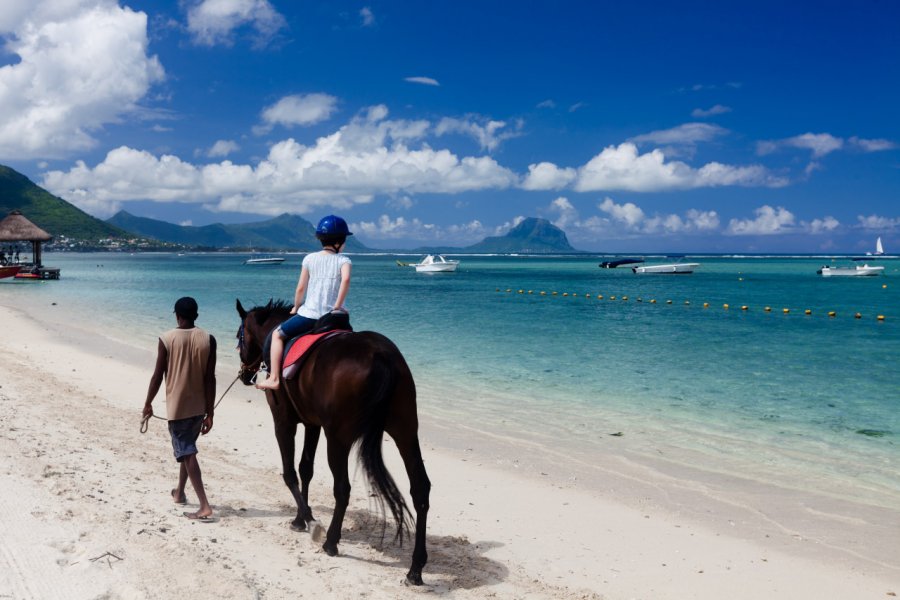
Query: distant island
74, 229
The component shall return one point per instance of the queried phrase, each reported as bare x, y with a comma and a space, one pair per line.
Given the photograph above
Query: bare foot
178, 500
271, 383
200, 515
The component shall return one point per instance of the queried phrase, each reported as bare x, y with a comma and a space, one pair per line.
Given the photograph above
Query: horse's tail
380, 387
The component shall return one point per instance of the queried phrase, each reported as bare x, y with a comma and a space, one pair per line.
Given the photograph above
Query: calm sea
525, 347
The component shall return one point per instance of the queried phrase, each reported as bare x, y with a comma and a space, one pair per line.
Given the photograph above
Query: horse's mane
273, 307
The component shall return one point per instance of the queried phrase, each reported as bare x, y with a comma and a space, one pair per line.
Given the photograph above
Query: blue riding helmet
332, 225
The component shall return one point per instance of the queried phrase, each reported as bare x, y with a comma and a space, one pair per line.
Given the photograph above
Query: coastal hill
52, 214
284, 232
531, 236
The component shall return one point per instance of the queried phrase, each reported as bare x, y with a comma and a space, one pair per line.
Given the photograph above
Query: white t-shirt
324, 283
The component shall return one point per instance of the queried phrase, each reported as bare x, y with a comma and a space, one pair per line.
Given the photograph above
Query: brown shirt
188, 351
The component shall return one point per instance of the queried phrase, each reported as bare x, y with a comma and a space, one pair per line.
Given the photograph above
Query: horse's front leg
307, 465
337, 461
285, 432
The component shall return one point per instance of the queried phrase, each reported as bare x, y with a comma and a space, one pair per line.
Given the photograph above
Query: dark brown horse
356, 387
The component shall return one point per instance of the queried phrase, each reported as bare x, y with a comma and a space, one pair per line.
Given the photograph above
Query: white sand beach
85, 510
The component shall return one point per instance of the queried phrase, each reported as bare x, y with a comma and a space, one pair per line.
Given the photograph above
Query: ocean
561, 354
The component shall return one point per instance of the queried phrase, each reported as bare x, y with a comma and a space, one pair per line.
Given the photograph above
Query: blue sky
633, 126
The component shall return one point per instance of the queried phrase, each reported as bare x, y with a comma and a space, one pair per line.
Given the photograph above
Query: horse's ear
240, 309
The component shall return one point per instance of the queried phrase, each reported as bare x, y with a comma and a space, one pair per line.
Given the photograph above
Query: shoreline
507, 518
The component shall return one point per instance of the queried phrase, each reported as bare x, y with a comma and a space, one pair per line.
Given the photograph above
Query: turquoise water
776, 395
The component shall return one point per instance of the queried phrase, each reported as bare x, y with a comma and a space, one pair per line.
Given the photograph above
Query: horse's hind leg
285, 433
420, 490
337, 461
307, 463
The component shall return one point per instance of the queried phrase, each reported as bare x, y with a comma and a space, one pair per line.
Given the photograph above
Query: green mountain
531, 236
284, 232
52, 214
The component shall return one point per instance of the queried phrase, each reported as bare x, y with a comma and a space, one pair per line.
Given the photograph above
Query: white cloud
214, 22
623, 168
768, 221
489, 133
367, 16
297, 109
546, 104
688, 133
823, 225
368, 156
223, 148
413, 230
820, 144
628, 219
577, 106
422, 80
568, 214
629, 213
547, 176
876, 145
81, 65
718, 109
878, 223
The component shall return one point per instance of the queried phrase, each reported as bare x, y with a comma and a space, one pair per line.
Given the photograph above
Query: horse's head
256, 324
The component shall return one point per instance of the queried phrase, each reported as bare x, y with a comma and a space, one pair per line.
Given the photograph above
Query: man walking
186, 358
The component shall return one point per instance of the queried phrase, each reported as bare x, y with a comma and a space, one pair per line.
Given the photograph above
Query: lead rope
145, 421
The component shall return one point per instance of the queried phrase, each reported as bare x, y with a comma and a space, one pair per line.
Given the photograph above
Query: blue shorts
184, 434
295, 326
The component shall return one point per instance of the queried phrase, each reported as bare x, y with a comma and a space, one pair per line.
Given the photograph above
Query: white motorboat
435, 264
267, 260
671, 269
858, 271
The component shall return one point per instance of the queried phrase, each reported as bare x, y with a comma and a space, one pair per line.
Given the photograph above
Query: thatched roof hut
16, 228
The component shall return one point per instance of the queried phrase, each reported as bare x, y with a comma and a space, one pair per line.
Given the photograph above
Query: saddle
297, 348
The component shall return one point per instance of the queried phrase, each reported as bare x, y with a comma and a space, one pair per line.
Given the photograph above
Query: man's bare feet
176, 499
200, 515
271, 383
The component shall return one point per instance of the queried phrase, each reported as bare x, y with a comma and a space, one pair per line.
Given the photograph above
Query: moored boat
9, 271
435, 264
858, 271
268, 260
670, 269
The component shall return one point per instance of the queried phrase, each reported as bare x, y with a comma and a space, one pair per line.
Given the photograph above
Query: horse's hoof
414, 577
330, 549
317, 531
299, 526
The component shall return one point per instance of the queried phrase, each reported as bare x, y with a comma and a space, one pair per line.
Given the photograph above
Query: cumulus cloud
820, 144
768, 221
371, 155
297, 109
878, 223
628, 219
413, 230
688, 133
223, 148
717, 109
823, 225
624, 168
876, 145
367, 16
215, 22
489, 133
422, 80
547, 176
81, 65
568, 215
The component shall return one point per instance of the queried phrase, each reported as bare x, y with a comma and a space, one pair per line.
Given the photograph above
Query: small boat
9, 271
879, 249
268, 260
612, 264
671, 269
863, 270
432, 264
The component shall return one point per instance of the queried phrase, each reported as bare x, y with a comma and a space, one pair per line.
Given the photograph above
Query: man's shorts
184, 436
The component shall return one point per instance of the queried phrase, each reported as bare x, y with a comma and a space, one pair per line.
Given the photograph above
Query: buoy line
639, 299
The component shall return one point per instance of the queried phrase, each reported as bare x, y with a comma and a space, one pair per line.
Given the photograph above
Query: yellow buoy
857, 316
884, 286
668, 302
724, 306
740, 278
706, 305
565, 294
652, 301
807, 312
831, 313
521, 291
508, 290
530, 292
768, 309
785, 310
881, 317
687, 302
612, 297
638, 299
587, 295
624, 297
745, 307
599, 296
543, 293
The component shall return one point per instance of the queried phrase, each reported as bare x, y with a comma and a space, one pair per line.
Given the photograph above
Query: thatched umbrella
16, 228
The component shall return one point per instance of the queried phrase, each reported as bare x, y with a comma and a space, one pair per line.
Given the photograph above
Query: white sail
878, 247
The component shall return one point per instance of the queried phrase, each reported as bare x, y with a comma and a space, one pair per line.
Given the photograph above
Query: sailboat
879, 249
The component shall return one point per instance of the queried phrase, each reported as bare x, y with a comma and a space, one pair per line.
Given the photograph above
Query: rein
145, 421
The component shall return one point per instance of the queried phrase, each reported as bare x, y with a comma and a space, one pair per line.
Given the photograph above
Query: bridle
250, 368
